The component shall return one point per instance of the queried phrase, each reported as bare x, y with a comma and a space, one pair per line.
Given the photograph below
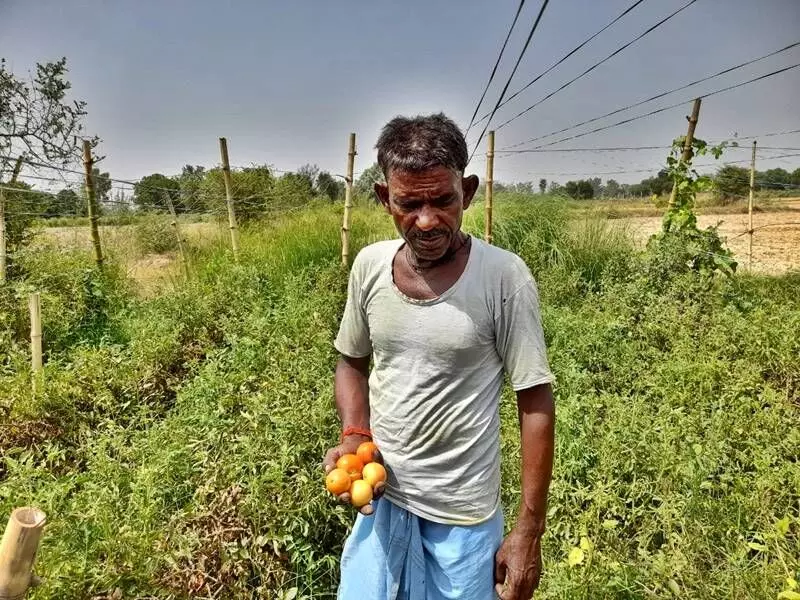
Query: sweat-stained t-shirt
437, 373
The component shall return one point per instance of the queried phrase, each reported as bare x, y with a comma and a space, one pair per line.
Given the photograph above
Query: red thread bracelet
358, 430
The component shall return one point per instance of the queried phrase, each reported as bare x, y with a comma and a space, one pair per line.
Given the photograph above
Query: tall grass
177, 444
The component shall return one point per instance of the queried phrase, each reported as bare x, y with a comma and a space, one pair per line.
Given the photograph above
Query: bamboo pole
348, 200
489, 186
18, 551
750, 209
3, 244
88, 163
34, 304
226, 175
687, 143
174, 223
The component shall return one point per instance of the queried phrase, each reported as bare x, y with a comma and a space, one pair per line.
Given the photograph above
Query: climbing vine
689, 246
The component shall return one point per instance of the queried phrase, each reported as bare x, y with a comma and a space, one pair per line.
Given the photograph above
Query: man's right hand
350, 445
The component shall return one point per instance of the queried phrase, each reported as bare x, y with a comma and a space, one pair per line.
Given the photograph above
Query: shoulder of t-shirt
507, 270
375, 255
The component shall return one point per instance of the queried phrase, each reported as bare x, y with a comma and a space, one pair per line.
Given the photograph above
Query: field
177, 440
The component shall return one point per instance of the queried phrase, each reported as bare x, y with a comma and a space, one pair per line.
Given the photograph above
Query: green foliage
681, 245
329, 186
190, 182
155, 235
292, 190
177, 442
150, 191
579, 190
252, 187
364, 186
731, 182
66, 202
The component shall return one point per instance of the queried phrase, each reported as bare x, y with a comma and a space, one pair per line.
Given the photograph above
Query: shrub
155, 235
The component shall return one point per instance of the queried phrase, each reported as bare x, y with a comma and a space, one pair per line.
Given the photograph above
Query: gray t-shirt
437, 373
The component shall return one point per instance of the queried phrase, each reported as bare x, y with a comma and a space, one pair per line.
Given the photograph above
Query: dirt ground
776, 237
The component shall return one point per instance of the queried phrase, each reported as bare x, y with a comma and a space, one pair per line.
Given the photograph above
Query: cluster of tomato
357, 474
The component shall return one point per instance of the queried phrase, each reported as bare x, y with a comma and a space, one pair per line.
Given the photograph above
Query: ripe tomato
338, 481
374, 473
366, 452
352, 464
360, 493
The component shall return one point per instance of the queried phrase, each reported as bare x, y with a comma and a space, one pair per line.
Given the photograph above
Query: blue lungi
396, 555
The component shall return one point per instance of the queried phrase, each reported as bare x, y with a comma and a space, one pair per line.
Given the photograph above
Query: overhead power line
496, 64
661, 95
562, 59
659, 110
597, 64
627, 148
534, 27
763, 135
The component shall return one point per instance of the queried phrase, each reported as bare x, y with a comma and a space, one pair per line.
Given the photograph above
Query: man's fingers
499, 569
344, 498
498, 589
380, 487
367, 510
330, 459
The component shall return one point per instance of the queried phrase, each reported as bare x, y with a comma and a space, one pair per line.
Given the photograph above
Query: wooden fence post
489, 186
18, 551
750, 209
174, 223
34, 304
687, 143
348, 200
226, 175
88, 163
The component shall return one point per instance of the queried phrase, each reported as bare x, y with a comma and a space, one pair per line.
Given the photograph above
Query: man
442, 316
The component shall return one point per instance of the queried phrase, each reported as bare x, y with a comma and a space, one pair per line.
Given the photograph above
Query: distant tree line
729, 182
257, 191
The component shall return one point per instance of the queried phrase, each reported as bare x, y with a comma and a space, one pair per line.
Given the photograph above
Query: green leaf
610, 523
788, 595
757, 546
783, 525
576, 557
586, 544
674, 587
792, 583
290, 594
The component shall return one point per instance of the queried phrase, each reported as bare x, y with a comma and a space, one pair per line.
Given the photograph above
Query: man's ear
382, 192
470, 186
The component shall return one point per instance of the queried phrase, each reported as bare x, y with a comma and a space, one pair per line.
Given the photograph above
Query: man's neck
421, 265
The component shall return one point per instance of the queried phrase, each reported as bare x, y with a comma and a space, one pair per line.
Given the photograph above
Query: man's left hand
518, 566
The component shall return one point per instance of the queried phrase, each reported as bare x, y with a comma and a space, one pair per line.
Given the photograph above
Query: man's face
427, 207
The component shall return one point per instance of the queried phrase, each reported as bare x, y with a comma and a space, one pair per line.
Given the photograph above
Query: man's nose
427, 219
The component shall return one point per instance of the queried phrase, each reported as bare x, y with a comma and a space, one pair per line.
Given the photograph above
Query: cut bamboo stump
18, 551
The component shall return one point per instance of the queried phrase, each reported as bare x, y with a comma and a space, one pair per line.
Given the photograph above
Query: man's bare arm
352, 391
537, 431
351, 388
519, 560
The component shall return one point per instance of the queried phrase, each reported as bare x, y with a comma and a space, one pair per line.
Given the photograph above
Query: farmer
442, 316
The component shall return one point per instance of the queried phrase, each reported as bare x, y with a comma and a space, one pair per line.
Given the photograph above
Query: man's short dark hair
421, 143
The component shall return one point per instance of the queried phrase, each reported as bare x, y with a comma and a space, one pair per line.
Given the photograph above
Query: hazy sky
287, 81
